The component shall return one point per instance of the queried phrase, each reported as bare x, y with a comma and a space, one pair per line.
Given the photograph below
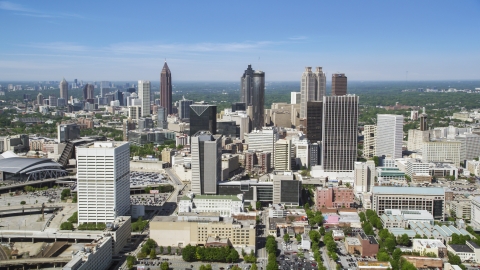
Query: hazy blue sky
216, 40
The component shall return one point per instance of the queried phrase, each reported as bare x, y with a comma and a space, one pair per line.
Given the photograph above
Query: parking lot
346, 260
290, 260
140, 179
149, 199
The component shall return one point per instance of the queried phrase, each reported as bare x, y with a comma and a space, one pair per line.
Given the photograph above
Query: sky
217, 40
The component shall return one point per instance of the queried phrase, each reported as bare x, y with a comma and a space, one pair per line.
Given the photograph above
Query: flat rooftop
408, 190
352, 241
461, 248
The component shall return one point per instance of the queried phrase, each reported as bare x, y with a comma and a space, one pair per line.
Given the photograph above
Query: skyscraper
389, 137
203, 117
339, 84
314, 120
144, 88
184, 108
206, 162
312, 88
162, 118
252, 88
339, 139
63, 89
103, 181
85, 92
166, 88
103, 88
40, 99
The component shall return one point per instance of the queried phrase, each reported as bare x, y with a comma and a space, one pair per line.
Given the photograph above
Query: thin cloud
141, 48
23, 11
60, 46
298, 38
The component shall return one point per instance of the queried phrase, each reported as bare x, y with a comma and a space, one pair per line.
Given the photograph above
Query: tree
206, 267
169, 250
73, 218
397, 253
66, 226
314, 235
258, 205
250, 208
254, 267
65, 193
153, 254
376, 160
390, 244
286, 237
161, 249
164, 266
299, 237
131, 261
322, 230
383, 256
404, 240
23, 202
271, 244
188, 253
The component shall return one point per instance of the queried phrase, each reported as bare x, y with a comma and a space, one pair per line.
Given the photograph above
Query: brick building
333, 197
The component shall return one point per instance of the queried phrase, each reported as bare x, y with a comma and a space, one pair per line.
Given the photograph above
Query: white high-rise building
442, 151
312, 88
262, 140
283, 155
364, 176
144, 88
295, 97
389, 135
103, 181
301, 153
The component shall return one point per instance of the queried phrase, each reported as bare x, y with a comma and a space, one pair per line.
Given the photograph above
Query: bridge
26, 211
49, 181
48, 236
36, 261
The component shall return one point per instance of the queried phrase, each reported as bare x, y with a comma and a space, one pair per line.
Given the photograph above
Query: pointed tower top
165, 67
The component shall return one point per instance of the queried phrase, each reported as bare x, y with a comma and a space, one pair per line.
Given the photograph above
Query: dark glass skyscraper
166, 89
339, 84
203, 117
252, 87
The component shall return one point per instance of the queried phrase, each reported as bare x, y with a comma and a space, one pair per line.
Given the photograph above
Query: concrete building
442, 151
462, 209
252, 92
68, 132
470, 146
312, 88
339, 84
262, 140
295, 97
144, 93
135, 112
389, 137
302, 151
252, 190
473, 166
206, 152
195, 229
339, 138
225, 205
283, 155
364, 176
416, 139
395, 218
362, 244
416, 167
369, 135
468, 252
431, 199
475, 212
286, 190
434, 246
103, 181
96, 255
333, 197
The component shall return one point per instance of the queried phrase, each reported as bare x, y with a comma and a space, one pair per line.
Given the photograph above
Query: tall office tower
90, 89
103, 88
85, 92
40, 99
314, 120
423, 122
295, 97
103, 181
283, 155
144, 88
369, 138
203, 117
63, 89
252, 88
238, 106
388, 141
312, 88
184, 108
68, 132
166, 88
314, 154
339, 133
206, 162
52, 101
339, 84
162, 118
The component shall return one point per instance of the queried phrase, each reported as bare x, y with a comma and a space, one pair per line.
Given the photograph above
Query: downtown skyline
368, 41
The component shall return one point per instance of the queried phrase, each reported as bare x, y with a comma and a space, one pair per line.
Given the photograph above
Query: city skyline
370, 41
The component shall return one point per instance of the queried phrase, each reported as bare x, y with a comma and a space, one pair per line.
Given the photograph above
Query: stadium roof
409, 190
25, 165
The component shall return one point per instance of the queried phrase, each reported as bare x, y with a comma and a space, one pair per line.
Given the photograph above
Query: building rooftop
216, 197
373, 265
408, 190
461, 248
432, 243
353, 241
